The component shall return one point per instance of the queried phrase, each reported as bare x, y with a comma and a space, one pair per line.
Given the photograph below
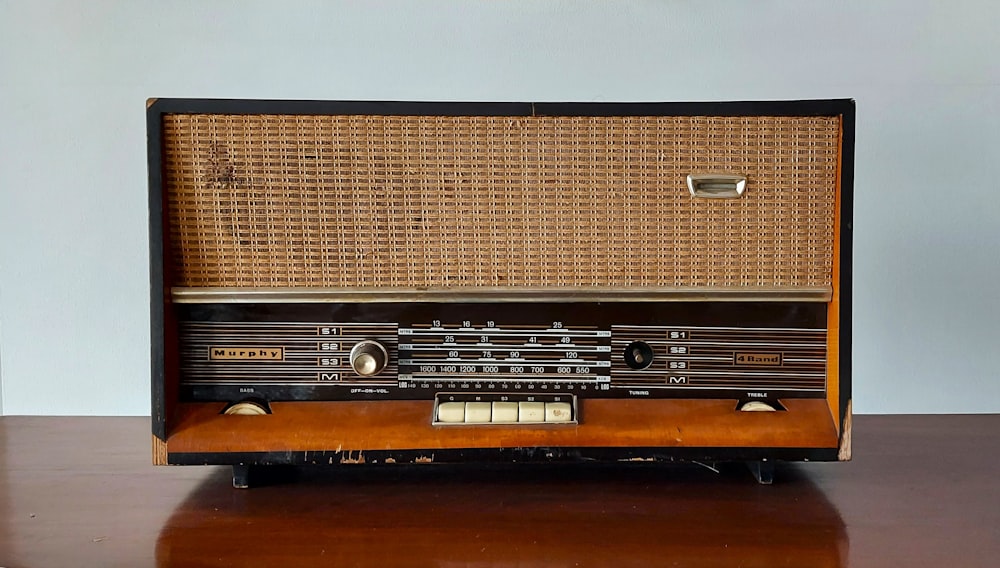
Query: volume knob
368, 358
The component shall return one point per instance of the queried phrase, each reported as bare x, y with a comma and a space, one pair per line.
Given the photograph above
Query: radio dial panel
281, 352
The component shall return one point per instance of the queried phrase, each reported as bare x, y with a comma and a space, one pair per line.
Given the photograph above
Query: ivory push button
478, 412
531, 412
451, 412
558, 412
504, 412
485, 409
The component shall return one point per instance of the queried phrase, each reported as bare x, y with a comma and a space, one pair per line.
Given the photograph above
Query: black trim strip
521, 455
397, 108
156, 272
846, 257
828, 107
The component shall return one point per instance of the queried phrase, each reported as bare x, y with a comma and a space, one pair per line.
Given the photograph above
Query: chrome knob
368, 358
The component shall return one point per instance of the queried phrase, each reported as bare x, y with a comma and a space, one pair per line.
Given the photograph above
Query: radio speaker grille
452, 202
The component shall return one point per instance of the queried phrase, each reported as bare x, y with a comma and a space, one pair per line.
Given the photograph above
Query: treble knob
368, 358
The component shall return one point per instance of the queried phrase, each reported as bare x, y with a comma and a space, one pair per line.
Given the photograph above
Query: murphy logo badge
246, 353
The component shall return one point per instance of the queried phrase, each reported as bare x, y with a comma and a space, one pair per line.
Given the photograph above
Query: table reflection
510, 515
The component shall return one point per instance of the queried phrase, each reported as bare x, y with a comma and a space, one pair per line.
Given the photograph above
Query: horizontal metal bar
489, 295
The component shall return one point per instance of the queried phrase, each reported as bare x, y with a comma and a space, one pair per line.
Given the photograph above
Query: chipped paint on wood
159, 451
347, 459
844, 453
424, 459
389, 460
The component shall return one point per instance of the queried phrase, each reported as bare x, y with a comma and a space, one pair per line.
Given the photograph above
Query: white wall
1, 375
75, 75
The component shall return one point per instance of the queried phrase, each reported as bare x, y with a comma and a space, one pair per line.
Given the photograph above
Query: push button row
503, 412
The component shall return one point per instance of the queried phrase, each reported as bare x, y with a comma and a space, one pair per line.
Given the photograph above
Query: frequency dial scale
464, 356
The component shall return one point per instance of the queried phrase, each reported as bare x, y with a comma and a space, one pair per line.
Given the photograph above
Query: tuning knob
368, 358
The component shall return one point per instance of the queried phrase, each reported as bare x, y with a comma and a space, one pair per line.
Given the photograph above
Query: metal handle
717, 186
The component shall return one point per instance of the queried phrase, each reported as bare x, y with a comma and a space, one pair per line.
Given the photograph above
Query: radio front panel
416, 282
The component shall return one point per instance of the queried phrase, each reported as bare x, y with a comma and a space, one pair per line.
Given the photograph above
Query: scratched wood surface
405, 424
921, 491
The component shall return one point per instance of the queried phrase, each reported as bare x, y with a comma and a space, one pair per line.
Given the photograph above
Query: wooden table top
921, 491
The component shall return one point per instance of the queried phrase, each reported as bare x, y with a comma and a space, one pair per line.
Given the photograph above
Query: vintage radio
415, 282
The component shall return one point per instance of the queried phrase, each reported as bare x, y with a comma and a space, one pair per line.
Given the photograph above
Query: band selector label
761, 359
